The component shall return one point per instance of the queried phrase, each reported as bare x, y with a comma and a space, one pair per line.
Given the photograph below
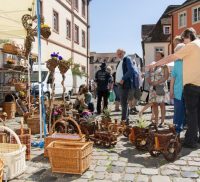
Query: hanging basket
45, 32
9, 48
20, 86
63, 66
52, 64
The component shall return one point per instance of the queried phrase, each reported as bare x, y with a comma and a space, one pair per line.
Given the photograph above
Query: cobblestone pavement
121, 163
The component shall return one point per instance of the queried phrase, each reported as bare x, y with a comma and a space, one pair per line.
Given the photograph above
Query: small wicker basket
33, 123
70, 157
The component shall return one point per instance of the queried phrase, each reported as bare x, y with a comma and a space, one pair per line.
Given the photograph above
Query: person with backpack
102, 78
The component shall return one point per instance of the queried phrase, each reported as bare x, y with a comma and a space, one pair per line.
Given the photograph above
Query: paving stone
123, 159
198, 180
180, 162
78, 180
119, 163
99, 175
31, 170
159, 178
173, 167
92, 167
113, 158
196, 159
88, 174
100, 157
189, 168
116, 169
103, 162
129, 177
116, 177
169, 172
193, 163
48, 178
189, 174
182, 180
100, 169
134, 165
17, 180
132, 170
142, 178
149, 171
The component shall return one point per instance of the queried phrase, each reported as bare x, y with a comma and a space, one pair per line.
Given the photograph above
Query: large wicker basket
13, 156
9, 106
1, 170
9, 48
33, 123
70, 157
65, 137
24, 135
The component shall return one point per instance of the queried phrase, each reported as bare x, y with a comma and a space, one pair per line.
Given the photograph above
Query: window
196, 14
41, 8
75, 4
83, 38
182, 19
83, 8
55, 21
76, 34
83, 69
166, 30
68, 29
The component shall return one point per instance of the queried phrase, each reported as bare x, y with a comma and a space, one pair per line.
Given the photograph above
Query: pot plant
45, 31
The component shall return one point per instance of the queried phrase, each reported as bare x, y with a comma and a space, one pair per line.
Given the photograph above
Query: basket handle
67, 119
12, 133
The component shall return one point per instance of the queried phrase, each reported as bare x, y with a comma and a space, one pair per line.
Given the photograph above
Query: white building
68, 20
110, 59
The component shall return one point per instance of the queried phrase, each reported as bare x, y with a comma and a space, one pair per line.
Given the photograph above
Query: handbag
160, 90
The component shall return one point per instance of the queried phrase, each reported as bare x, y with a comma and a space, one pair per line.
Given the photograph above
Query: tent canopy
11, 12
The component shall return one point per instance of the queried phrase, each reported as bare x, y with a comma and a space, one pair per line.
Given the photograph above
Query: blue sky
117, 23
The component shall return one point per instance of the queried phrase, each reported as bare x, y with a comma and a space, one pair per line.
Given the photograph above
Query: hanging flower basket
45, 31
63, 66
52, 64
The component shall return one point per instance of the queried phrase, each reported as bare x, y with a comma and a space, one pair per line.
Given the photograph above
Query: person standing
176, 92
190, 54
102, 79
124, 79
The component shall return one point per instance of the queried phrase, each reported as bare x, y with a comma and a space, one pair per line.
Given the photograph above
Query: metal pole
39, 63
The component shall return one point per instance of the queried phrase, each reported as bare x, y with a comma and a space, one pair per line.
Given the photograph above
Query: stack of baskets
13, 156
65, 137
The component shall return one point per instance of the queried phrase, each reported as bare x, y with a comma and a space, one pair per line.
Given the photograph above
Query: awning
11, 12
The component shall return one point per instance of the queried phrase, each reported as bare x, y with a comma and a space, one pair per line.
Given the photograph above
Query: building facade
96, 59
185, 16
69, 24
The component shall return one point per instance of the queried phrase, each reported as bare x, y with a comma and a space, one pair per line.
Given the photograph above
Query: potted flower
53, 62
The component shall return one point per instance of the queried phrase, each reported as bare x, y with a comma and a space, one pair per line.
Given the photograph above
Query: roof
186, 3
146, 30
157, 34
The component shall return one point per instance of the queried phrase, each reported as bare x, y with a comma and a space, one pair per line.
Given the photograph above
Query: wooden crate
70, 157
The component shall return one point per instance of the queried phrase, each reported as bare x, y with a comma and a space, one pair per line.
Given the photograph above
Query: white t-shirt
119, 72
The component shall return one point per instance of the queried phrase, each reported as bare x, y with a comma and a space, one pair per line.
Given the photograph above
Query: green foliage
106, 113
76, 70
142, 123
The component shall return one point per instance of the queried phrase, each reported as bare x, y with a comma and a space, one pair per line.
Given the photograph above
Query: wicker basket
45, 32
10, 109
1, 170
64, 136
9, 48
33, 123
20, 86
70, 157
24, 135
13, 156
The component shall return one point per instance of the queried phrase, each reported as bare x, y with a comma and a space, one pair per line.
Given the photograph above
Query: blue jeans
116, 91
179, 114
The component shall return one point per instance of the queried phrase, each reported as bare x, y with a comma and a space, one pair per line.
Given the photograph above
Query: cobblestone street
121, 163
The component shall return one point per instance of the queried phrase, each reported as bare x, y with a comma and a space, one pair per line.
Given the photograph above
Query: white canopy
11, 12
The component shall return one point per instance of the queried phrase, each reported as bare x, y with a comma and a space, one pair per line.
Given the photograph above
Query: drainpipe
88, 40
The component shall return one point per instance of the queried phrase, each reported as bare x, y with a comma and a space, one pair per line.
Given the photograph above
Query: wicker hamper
70, 157
13, 156
33, 123
24, 135
64, 136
